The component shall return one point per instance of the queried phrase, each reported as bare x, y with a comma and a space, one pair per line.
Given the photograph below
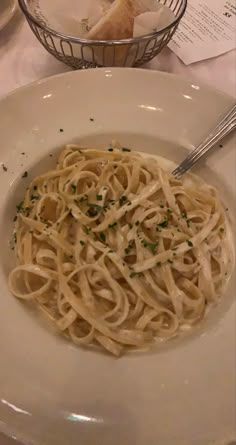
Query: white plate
7, 10
54, 393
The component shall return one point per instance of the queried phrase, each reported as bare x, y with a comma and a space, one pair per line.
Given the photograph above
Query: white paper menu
207, 30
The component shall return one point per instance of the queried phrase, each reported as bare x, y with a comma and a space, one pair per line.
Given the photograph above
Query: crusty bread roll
117, 21
96, 10
116, 24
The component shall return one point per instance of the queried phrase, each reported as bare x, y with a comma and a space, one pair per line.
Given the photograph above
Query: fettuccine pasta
116, 251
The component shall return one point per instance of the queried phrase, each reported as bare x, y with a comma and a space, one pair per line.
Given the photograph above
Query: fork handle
224, 127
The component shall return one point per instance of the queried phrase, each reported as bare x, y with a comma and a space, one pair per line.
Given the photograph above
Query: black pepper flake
94, 209
110, 149
73, 187
125, 149
221, 146
61, 130
15, 218
99, 197
25, 174
82, 243
4, 168
91, 119
190, 244
170, 261
158, 264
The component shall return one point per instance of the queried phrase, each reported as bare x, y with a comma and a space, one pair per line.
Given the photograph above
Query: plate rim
114, 70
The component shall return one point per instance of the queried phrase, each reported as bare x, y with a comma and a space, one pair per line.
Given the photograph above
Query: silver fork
224, 127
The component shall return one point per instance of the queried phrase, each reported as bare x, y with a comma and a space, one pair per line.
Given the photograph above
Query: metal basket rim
65, 37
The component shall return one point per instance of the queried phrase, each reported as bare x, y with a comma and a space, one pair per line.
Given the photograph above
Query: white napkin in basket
153, 21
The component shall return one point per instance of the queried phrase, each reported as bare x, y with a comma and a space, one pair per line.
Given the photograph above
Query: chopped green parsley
111, 226
133, 274
163, 224
103, 237
122, 200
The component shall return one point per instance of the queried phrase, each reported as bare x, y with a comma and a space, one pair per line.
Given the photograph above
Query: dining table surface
23, 60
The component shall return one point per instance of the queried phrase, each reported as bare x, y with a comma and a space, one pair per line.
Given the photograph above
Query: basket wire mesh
80, 53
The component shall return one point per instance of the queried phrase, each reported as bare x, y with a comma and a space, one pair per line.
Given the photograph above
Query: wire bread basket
81, 53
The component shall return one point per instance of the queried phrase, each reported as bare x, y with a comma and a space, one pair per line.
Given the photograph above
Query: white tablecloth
23, 60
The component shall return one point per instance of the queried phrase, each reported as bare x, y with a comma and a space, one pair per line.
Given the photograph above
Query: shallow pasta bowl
52, 392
